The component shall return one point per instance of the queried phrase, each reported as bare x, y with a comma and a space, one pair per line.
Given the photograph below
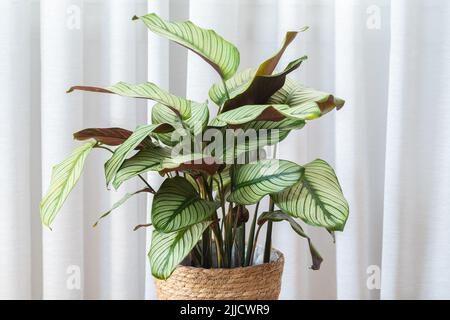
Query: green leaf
235, 85
146, 90
222, 177
261, 87
255, 87
109, 136
195, 123
119, 203
161, 159
119, 155
169, 249
274, 113
149, 159
277, 216
317, 198
64, 177
258, 179
177, 205
303, 100
219, 53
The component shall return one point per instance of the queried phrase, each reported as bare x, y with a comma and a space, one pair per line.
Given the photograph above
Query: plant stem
147, 184
251, 237
229, 235
226, 89
268, 245
240, 241
206, 252
255, 242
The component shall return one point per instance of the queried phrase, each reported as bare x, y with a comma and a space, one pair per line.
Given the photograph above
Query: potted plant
205, 242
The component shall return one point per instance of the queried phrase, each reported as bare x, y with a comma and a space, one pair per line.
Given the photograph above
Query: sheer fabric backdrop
389, 144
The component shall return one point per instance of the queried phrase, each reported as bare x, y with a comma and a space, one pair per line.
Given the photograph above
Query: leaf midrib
263, 178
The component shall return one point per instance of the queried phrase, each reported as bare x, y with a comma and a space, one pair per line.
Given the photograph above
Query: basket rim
279, 260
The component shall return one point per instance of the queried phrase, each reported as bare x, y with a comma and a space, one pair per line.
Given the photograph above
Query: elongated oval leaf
195, 123
235, 85
149, 159
161, 159
169, 249
317, 198
177, 205
109, 136
277, 216
261, 87
258, 179
119, 155
306, 100
146, 90
255, 86
119, 203
276, 116
64, 177
219, 53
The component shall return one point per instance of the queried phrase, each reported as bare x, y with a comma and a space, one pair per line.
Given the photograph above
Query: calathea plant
215, 168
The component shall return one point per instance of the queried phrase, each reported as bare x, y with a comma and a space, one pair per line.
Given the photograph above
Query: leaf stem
268, 245
251, 237
226, 89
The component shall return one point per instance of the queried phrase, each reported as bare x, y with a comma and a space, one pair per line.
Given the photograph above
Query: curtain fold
387, 59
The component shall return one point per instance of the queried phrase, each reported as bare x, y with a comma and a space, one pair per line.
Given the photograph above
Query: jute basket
257, 282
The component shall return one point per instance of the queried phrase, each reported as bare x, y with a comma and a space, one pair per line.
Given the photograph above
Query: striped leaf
64, 177
258, 179
149, 159
235, 85
277, 216
119, 203
219, 53
255, 86
168, 250
119, 155
109, 136
317, 198
195, 123
266, 116
261, 87
146, 90
177, 205
161, 159
303, 100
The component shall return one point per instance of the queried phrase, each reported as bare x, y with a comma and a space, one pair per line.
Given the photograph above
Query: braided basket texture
257, 282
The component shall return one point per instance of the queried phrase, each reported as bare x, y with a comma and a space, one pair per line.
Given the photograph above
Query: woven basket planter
257, 282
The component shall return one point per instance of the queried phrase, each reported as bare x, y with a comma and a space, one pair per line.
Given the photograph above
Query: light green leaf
235, 85
317, 198
161, 159
146, 90
277, 216
64, 177
255, 86
119, 155
169, 249
260, 178
148, 159
261, 87
219, 53
177, 205
276, 116
195, 123
302, 100
119, 203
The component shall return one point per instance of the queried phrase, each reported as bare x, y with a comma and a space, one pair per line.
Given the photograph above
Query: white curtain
389, 144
